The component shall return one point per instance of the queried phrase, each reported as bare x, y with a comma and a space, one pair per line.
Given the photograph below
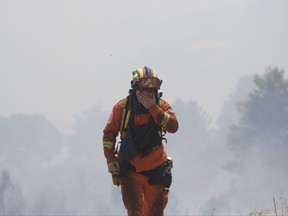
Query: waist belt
132, 168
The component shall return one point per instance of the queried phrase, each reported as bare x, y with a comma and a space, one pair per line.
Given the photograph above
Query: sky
60, 58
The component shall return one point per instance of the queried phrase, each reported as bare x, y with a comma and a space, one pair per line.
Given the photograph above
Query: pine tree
264, 116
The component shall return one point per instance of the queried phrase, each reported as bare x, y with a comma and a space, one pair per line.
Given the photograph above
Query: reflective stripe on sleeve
165, 119
108, 144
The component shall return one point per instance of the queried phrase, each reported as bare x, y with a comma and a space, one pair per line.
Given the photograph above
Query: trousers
141, 198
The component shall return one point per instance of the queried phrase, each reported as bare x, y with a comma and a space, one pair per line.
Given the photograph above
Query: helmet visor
150, 83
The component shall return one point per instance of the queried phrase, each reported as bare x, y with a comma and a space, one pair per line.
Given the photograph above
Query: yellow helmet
145, 78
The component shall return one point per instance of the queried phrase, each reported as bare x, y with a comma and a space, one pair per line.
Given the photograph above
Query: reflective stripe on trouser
141, 198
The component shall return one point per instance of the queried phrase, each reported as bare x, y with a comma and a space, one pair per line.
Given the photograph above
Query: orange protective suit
140, 197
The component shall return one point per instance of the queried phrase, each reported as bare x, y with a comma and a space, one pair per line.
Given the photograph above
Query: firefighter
140, 164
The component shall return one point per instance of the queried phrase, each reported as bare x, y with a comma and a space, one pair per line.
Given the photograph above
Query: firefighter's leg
133, 193
155, 199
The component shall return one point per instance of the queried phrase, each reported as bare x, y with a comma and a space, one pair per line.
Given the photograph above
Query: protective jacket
163, 116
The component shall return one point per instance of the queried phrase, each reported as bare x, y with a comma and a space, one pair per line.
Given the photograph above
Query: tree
229, 114
264, 116
28, 139
260, 142
11, 200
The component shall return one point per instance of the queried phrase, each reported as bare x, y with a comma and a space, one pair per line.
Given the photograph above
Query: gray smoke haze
59, 57
65, 63
44, 172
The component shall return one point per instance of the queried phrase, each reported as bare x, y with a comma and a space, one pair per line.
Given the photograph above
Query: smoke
67, 174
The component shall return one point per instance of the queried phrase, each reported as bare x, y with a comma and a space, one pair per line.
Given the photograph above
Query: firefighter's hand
147, 99
113, 167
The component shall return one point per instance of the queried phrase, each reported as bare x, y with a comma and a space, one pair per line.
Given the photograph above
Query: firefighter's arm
109, 145
164, 116
110, 133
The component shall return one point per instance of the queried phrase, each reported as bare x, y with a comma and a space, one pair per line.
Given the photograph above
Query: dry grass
279, 209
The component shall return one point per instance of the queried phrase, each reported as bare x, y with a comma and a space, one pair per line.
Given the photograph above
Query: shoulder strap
125, 117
